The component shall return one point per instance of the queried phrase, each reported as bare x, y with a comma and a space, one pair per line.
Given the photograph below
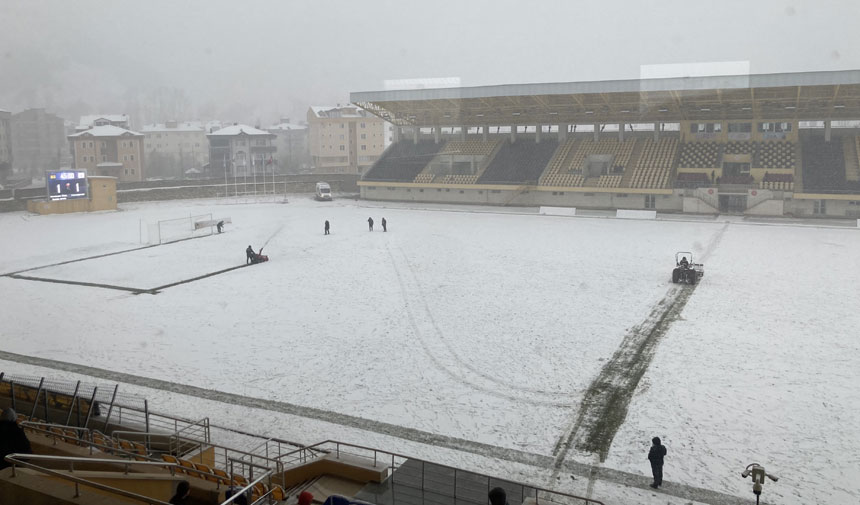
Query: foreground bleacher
96, 459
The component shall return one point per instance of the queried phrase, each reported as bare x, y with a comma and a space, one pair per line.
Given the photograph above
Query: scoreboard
66, 184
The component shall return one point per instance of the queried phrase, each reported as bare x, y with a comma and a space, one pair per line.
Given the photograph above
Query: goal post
182, 228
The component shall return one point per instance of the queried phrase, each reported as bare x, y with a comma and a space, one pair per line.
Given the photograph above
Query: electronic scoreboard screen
66, 184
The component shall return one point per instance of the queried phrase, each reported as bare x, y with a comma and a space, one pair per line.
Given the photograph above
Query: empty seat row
458, 179
564, 180
424, 178
700, 155
469, 147
655, 164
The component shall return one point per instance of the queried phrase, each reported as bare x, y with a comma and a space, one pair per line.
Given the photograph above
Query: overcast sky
255, 61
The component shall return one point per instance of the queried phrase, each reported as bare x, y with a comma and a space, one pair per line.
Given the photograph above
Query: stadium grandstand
91, 444
769, 144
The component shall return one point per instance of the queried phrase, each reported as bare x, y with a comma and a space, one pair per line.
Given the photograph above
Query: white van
323, 191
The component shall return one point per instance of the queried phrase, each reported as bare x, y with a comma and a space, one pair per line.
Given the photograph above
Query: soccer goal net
182, 228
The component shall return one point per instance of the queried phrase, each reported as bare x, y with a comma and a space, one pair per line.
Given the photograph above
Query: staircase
852, 164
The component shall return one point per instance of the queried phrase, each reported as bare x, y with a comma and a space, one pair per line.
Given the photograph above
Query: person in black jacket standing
655, 456
12, 437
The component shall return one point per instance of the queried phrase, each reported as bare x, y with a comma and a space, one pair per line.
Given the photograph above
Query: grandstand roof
801, 96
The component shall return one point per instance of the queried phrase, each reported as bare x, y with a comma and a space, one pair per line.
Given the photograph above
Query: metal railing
23, 460
393, 461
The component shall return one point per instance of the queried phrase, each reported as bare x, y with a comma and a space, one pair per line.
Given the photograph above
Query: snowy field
481, 326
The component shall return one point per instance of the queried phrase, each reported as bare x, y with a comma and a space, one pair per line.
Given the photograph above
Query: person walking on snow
655, 456
326, 227
249, 255
384, 224
370, 223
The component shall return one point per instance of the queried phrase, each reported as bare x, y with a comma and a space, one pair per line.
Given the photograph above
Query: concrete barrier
558, 211
635, 214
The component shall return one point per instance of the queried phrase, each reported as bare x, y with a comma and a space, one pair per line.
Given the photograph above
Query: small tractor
686, 271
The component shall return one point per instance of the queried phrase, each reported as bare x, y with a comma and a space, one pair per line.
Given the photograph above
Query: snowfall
474, 323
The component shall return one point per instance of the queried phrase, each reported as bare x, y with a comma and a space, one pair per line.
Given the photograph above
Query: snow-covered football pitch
534, 342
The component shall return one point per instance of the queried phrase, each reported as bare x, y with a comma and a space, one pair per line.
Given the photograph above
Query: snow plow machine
687, 272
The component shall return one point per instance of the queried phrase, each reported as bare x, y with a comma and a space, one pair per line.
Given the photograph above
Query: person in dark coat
498, 496
326, 227
370, 223
12, 437
655, 456
220, 226
684, 263
384, 224
181, 495
249, 255
241, 500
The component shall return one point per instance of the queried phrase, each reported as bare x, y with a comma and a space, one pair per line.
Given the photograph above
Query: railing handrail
16, 460
87, 440
246, 488
403, 456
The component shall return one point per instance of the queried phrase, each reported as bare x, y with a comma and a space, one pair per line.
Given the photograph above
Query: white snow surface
480, 325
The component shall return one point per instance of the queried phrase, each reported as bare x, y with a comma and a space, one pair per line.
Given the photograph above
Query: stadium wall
522, 196
17, 199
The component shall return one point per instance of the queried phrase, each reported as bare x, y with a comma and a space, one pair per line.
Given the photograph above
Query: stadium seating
824, 165
774, 154
609, 181
556, 171
620, 149
469, 147
403, 161
655, 165
424, 178
458, 179
739, 147
520, 162
700, 155
779, 182
565, 180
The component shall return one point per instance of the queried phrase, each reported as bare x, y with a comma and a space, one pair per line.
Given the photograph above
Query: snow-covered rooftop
288, 126
104, 131
187, 126
326, 111
87, 121
238, 129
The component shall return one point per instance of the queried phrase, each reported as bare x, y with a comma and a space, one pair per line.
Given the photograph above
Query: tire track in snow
463, 363
436, 361
604, 405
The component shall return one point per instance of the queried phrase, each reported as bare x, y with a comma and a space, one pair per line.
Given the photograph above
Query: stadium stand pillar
437, 134
656, 131
596, 131
562, 132
538, 131
415, 131
397, 133
621, 127
513, 133
485, 133
827, 130
463, 133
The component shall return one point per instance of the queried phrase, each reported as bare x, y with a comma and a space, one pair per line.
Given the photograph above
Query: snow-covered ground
483, 326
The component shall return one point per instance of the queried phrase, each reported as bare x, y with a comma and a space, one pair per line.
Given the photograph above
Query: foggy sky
255, 61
